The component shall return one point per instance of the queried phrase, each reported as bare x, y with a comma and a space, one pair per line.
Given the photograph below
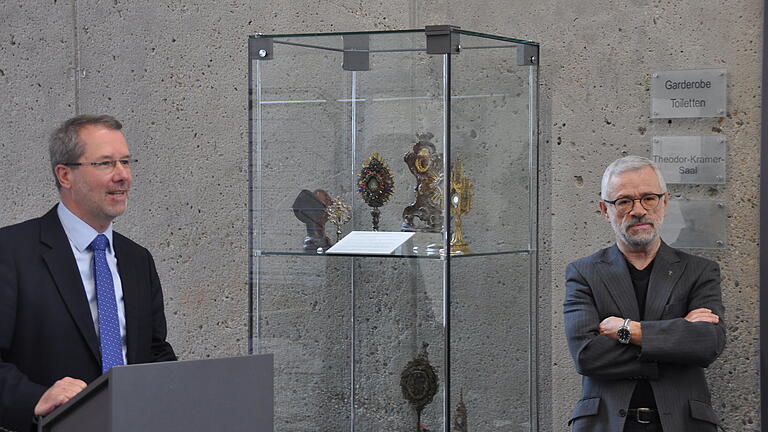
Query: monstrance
375, 185
461, 204
339, 213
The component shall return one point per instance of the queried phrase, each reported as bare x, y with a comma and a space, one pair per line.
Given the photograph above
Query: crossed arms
691, 332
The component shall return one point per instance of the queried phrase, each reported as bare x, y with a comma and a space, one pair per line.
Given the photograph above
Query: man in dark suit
76, 298
642, 319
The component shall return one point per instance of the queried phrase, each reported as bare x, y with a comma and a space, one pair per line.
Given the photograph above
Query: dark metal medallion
419, 383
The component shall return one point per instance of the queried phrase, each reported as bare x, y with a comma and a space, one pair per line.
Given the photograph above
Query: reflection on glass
695, 224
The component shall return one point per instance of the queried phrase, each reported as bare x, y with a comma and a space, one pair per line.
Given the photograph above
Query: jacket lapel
613, 270
63, 268
667, 269
127, 268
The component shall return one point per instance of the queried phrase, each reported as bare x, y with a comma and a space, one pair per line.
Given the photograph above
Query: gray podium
230, 394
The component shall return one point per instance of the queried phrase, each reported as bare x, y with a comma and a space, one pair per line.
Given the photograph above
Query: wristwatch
623, 334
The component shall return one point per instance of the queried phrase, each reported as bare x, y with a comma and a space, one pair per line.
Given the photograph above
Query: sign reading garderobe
688, 93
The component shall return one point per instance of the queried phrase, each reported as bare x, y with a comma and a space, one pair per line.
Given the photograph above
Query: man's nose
121, 172
637, 209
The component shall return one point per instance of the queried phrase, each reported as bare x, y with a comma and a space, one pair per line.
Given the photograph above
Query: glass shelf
432, 256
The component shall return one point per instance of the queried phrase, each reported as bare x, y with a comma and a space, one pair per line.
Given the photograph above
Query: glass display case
393, 228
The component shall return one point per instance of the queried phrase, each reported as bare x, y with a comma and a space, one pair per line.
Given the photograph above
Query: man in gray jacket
642, 319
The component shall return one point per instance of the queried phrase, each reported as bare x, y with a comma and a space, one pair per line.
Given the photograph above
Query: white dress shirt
80, 236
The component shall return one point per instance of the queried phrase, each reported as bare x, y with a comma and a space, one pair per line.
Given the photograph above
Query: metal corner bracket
260, 48
356, 52
527, 55
442, 39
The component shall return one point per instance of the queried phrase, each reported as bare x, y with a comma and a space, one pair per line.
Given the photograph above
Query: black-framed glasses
107, 165
626, 204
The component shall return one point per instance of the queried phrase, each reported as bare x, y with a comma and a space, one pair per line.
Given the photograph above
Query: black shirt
643, 395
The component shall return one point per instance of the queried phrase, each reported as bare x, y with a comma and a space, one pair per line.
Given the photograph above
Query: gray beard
637, 242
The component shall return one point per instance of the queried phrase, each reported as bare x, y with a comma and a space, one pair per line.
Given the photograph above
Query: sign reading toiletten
691, 159
688, 93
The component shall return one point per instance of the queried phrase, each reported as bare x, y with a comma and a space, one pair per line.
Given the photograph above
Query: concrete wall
175, 73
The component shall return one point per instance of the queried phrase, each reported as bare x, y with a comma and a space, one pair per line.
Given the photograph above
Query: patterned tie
109, 326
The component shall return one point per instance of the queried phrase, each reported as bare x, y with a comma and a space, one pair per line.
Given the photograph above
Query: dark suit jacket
46, 328
674, 351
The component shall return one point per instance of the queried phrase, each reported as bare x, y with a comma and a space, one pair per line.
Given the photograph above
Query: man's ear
603, 209
64, 176
665, 203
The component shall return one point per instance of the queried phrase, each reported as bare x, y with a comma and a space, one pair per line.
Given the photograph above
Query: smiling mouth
118, 193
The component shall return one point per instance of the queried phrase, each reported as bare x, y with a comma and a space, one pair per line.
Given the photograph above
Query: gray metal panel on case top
356, 52
527, 55
260, 48
691, 159
442, 39
698, 224
688, 93
230, 394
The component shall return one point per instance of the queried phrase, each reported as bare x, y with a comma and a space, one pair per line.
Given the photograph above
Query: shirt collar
80, 234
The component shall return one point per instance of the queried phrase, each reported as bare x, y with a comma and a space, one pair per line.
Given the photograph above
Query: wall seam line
76, 47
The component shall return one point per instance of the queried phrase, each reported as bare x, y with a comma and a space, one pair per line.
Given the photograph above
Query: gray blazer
674, 352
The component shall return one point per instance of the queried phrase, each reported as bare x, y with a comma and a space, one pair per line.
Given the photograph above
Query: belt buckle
642, 410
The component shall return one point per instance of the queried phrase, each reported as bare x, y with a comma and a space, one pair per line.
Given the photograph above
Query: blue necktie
109, 325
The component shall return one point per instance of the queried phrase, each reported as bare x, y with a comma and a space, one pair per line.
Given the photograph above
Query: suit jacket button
623, 412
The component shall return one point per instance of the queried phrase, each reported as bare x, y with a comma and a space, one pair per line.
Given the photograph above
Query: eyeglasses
107, 165
625, 204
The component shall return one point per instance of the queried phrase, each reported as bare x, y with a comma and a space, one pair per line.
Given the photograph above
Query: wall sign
691, 159
697, 224
688, 93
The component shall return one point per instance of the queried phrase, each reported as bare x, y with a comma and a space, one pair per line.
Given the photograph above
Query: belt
643, 415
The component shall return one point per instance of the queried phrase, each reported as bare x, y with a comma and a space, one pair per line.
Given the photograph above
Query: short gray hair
65, 146
629, 163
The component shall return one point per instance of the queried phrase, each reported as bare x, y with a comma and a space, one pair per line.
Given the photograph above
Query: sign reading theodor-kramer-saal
691, 159
688, 93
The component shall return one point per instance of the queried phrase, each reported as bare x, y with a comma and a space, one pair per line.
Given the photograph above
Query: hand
610, 326
58, 394
702, 315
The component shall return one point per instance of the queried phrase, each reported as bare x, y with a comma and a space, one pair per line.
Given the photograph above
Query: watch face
623, 334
